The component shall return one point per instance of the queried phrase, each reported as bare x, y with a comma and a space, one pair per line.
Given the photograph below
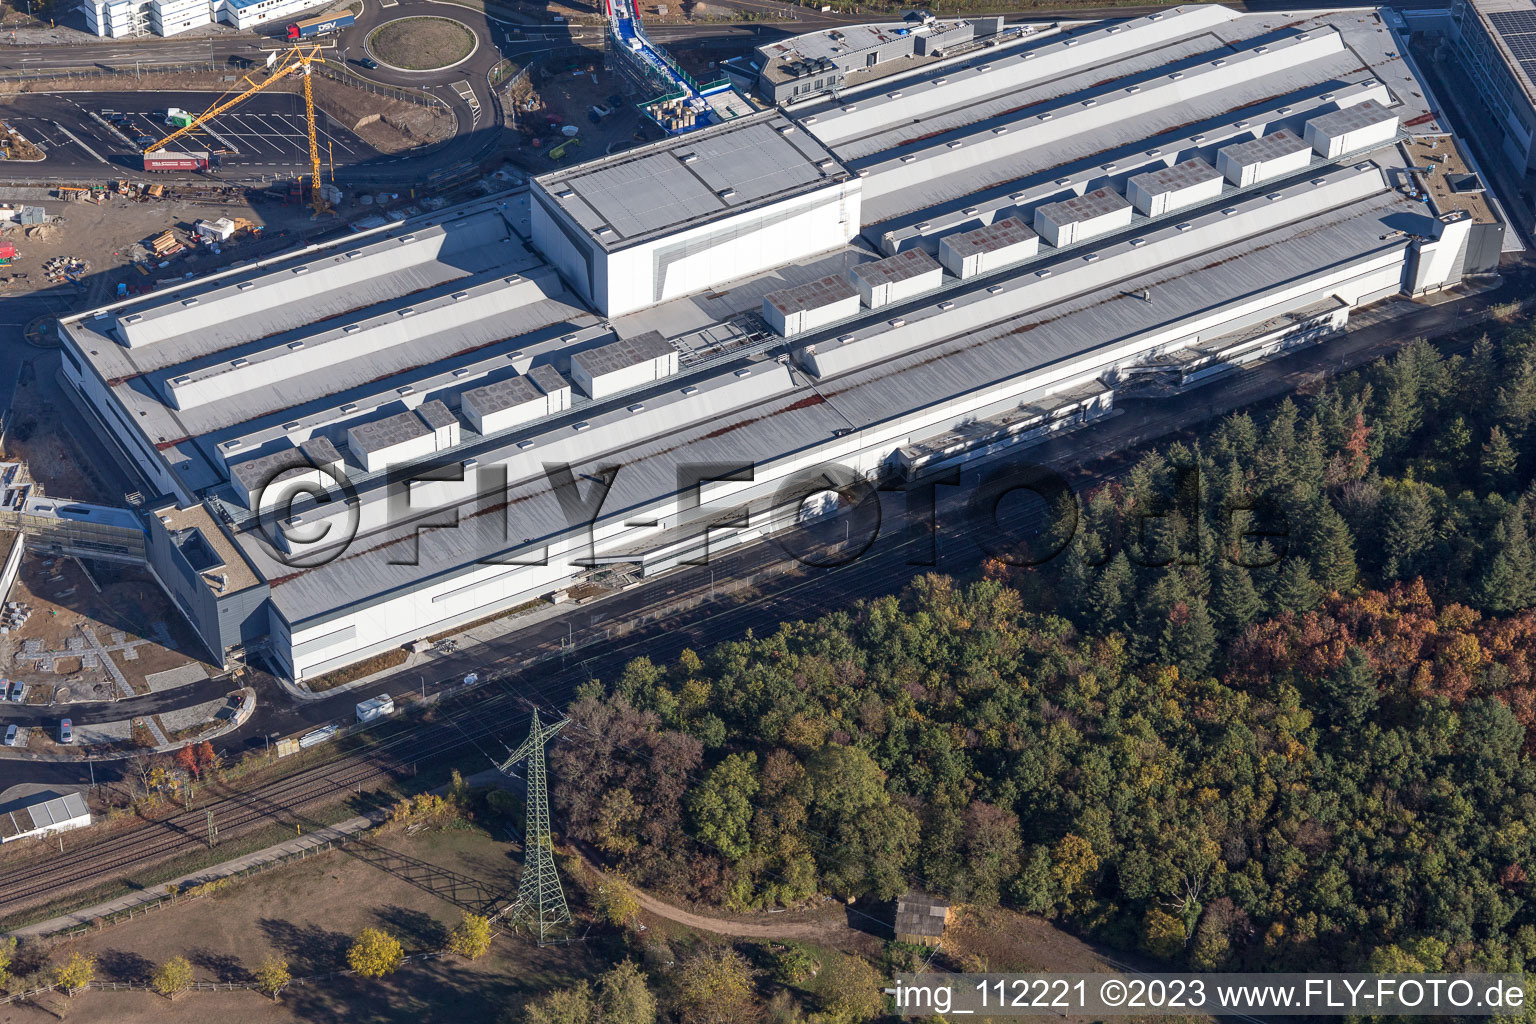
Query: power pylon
540, 899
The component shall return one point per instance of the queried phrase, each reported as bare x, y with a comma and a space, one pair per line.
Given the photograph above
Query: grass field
414, 887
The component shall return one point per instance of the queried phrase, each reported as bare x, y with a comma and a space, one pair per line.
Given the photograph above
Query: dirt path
817, 930
824, 927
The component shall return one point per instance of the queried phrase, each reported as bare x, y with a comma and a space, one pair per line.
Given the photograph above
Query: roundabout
422, 43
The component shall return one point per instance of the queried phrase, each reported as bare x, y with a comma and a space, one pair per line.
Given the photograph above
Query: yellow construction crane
295, 60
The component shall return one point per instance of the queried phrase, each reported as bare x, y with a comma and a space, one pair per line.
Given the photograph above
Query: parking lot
265, 135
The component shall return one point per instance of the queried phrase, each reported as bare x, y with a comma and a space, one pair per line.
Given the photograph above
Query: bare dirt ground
308, 914
399, 125
568, 94
103, 236
63, 598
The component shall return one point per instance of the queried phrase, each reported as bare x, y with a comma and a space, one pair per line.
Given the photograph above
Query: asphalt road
92, 712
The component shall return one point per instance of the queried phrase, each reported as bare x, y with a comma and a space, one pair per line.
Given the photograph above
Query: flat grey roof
1348, 119
319, 450
813, 294
387, 432
44, 814
253, 474
436, 415
501, 394
622, 354
548, 378
1087, 206
1000, 234
1268, 147
691, 179
1176, 178
893, 269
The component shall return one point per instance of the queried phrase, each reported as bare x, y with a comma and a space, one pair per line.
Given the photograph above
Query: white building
250, 13
117, 18
44, 818
1083, 217
1173, 188
897, 278
981, 250
1263, 159
126, 18
681, 215
807, 307
640, 360
1363, 126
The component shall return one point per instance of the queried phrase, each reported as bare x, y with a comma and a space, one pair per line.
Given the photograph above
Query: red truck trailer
165, 160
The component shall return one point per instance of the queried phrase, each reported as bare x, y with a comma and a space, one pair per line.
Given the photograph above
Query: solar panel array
1518, 30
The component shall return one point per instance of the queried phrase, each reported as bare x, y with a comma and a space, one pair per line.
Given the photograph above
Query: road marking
76, 140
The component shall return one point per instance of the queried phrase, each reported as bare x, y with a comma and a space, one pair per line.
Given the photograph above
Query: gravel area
179, 676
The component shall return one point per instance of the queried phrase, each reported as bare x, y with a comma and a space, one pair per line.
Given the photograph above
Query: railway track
147, 844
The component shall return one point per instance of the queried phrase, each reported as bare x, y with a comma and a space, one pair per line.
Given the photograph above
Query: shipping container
375, 707
165, 160
321, 26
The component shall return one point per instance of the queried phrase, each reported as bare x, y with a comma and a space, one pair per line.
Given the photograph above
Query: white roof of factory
1182, 175
1361, 115
880, 116
1000, 234
622, 353
894, 269
1268, 147
691, 179
1098, 106
1202, 141
823, 291
487, 316
780, 413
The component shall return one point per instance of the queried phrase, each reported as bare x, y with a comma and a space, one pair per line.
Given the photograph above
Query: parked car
369, 63
10, 736
66, 732
142, 141
18, 689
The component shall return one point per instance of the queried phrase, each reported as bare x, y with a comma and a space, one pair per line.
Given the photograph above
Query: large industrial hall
649, 357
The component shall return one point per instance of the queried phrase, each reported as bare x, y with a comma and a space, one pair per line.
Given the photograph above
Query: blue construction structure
682, 105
